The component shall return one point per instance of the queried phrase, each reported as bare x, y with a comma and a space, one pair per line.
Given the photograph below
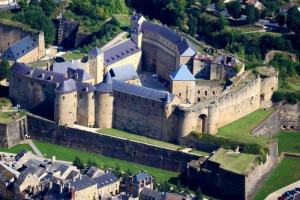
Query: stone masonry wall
131, 151
269, 126
289, 116
13, 132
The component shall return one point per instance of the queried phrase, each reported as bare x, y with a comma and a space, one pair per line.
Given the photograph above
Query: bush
278, 96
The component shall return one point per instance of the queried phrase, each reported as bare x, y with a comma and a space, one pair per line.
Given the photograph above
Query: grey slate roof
94, 52
123, 73
152, 194
106, 85
120, 51
141, 176
105, 179
67, 86
71, 85
182, 74
37, 73
71, 68
144, 92
20, 48
81, 183
183, 46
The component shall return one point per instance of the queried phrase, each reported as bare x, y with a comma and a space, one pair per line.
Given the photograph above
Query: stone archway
202, 123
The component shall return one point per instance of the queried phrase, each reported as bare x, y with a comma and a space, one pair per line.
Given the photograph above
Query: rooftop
120, 51
20, 48
183, 46
236, 162
124, 73
105, 179
182, 74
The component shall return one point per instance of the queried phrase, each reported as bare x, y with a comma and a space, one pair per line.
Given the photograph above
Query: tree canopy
4, 69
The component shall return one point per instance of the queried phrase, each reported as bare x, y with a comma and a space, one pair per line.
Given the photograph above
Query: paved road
278, 193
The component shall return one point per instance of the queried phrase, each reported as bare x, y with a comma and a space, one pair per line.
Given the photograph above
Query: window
205, 93
198, 91
63, 97
198, 99
180, 94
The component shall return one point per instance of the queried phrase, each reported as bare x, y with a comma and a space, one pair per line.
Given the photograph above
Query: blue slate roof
120, 51
182, 74
106, 85
81, 183
124, 73
71, 68
105, 179
37, 73
183, 46
144, 92
67, 86
94, 52
141, 176
20, 48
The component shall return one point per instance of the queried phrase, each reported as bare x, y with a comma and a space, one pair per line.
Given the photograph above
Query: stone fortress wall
13, 32
210, 115
13, 132
49, 131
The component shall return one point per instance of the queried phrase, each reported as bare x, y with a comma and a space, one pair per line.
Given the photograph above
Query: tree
220, 6
4, 69
278, 96
293, 19
205, 3
234, 9
78, 163
35, 17
252, 14
48, 6
199, 195
192, 25
281, 19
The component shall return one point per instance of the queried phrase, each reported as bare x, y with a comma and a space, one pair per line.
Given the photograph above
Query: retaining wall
270, 126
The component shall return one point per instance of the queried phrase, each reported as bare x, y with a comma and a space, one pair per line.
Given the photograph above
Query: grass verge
240, 130
286, 172
16, 149
288, 141
69, 154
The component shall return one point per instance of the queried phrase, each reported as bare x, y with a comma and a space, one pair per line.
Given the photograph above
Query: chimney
61, 189
69, 187
53, 159
50, 185
74, 178
57, 85
80, 176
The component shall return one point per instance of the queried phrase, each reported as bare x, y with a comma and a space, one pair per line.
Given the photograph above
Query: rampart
13, 132
132, 151
270, 126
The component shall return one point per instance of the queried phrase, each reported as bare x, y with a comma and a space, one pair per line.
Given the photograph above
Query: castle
202, 93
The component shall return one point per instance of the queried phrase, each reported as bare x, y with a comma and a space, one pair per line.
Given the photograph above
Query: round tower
66, 103
86, 106
187, 123
104, 103
213, 116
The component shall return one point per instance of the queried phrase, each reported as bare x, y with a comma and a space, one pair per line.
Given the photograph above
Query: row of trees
98, 9
38, 16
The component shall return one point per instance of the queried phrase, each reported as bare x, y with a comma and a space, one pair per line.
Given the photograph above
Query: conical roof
67, 86
106, 85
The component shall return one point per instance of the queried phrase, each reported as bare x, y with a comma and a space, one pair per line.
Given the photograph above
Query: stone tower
136, 29
104, 103
66, 103
86, 106
183, 84
96, 65
41, 45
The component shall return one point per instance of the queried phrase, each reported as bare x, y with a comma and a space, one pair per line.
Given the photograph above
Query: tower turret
96, 64
104, 103
136, 29
66, 103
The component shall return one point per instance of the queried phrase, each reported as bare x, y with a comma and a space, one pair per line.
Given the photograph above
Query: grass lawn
236, 162
73, 55
124, 20
6, 15
69, 154
138, 138
16, 149
288, 141
285, 173
245, 28
240, 130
